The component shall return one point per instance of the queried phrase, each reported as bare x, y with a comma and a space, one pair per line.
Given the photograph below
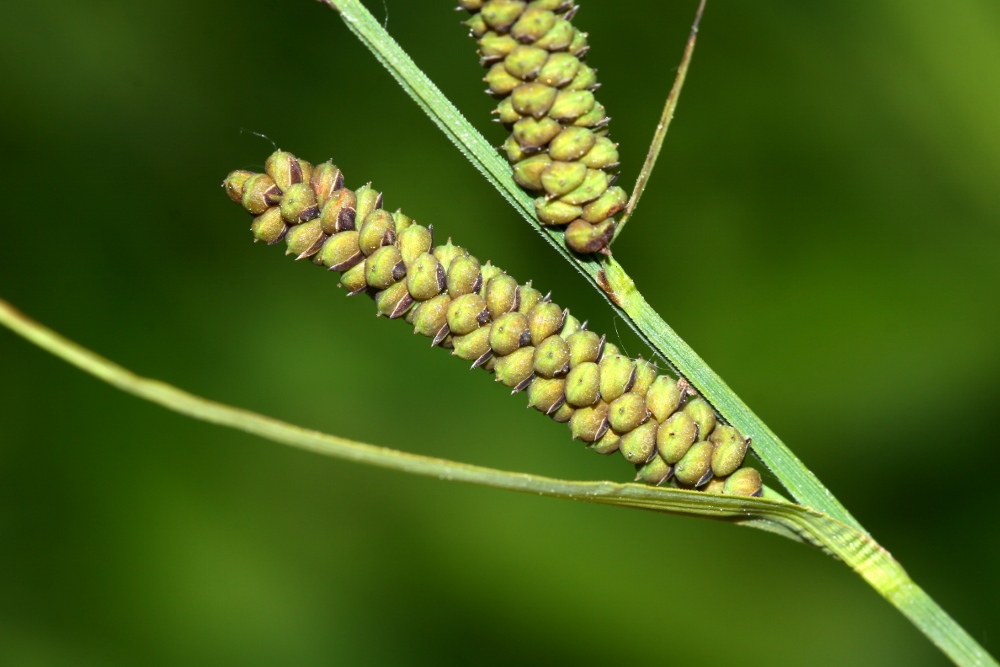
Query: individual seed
608, 444
555, 212
464, 276
560, 178
572, 144
627, 412
368, 201
730, 450
663, 398
585, 238
339, 212
603, 155
509, 332
559, 70
533, 24
584, 346
340, 252
590, 423
655, 472
645, 374
260, 192
413, 242
432, 316
472, 346
515, 368
546, 395
639, 444
385, 267
524, 62
500, 81
531, 133
744, 482
703, 415
377, 230
558, 38
304, 240
353, 279
695, 468
583, 384
268, 226
326, 179
617, 376
425, 278
571, 104
234, 184
528, 172
466, 314
284, 168
544, 320
593, 186
552, 357
675, 437
502, 295
394, 301
502, 14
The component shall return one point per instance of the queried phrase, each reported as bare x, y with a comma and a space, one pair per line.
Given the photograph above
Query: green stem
849, 542
661, 128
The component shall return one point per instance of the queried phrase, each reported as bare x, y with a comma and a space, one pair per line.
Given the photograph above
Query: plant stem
661, 128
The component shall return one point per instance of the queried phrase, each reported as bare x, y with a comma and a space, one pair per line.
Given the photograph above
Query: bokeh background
823, 228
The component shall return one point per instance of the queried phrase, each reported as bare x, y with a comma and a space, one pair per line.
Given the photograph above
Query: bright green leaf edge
832, 527
856, 549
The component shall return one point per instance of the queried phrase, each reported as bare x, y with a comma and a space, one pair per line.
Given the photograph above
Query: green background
823, 228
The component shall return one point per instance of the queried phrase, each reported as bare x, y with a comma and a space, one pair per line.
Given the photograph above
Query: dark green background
824, 229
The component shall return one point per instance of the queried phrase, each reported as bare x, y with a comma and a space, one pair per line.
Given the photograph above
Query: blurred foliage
823, 228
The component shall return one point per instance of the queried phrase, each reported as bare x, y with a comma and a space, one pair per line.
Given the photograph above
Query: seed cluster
558, 145
484, 316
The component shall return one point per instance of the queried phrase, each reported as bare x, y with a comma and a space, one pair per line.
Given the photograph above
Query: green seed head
663, 398
385, 267
340, 252
572, 144
304, 240
544, 320
546, 395
431, 316
515, 368
260, 193
585, 238
639, 444
590, 423
472, 346
608, 444
464, 276
571, 104
552, 357
675, 437
528, 172
298, 204
508, 333
558, 38
514, 151
617, 375
555, 212
531, 133
583, 384
744, 482
524, 62
413, 242
394, 301
502, 295
584, 346
425, 278
561, 178
533, 24
500, 81
339, 212
326, 179
627, 412
695, 468
466, 314
284, 168
603, 155
559, 69
730, 449
703, 415
377, 230
234, 184
268, 226
502, 14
